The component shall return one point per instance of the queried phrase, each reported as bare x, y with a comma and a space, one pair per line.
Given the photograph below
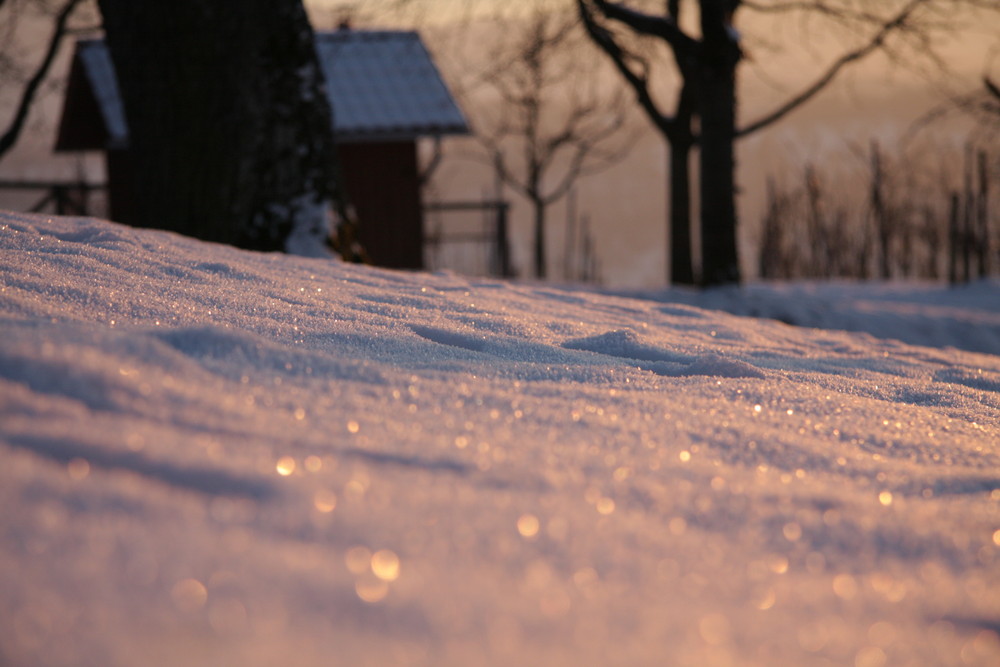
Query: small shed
386, 95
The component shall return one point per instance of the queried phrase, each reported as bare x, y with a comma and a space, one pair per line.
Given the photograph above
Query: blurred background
891, 169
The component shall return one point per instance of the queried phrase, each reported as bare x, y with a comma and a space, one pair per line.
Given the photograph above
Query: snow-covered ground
215, 457
966, 317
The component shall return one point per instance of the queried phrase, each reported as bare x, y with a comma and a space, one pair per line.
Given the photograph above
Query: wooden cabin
386, 94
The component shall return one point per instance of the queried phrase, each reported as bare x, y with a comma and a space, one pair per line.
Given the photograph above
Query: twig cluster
899, 218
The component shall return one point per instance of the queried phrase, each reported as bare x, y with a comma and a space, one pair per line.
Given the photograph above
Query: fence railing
457, 238
465, 236
59, 197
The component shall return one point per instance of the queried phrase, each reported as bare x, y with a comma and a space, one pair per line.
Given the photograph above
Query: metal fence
58, 197
468, 237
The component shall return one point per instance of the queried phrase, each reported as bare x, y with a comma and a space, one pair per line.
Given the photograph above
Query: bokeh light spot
527, 525
777, 563
371, 590
358, 559
766, 600
845, 587
714, 629
189, 595
385, 565
870, 656
285, 466
792, 531
325, 501
78, 469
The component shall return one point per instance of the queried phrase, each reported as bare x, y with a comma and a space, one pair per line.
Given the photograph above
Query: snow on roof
385, 83
381, 84
101, 75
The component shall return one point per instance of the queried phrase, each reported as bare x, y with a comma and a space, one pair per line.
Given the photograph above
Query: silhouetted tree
554, 121
707, 62
991, 102
230, 130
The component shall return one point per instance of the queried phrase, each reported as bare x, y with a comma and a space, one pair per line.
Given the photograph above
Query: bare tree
707, 69
61, 27
707, 64
554, 120
992, 88
676, 127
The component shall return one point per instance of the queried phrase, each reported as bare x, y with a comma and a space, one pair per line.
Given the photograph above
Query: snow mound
715, 366
966, 317
212, 456
626, 344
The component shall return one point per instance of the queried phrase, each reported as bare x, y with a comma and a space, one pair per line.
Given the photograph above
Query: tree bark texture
717, 109
230, 132
680, 141
681, 266
708, 93
540, 254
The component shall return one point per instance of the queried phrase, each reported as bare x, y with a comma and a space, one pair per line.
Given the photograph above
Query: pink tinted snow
213, 456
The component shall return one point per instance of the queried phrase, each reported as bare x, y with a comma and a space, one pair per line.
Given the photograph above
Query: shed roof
93, 116
383, 85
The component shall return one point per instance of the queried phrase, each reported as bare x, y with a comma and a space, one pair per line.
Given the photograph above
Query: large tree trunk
717, 90
230, 132
541, 261
680, 140
681, 266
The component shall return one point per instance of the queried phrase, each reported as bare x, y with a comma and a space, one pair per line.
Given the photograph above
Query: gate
59, 197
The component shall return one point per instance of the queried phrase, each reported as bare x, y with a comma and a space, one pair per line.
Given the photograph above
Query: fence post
983, 225
954, 239
968, 217
881, 215
502, 242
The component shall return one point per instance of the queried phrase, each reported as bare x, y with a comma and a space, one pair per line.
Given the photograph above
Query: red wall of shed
383, 184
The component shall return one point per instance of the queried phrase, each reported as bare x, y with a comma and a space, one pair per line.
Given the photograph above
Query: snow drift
216, 457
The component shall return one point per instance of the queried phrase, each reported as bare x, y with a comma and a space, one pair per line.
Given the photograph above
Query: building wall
383, 184
81, 126
119, 166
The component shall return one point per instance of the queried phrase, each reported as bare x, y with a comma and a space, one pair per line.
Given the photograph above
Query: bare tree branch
821, 7
991, 87
674, 11
638, 82
31, 88
645, 24
553, 117
424, 176
876, 42
587, 150
10, 137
